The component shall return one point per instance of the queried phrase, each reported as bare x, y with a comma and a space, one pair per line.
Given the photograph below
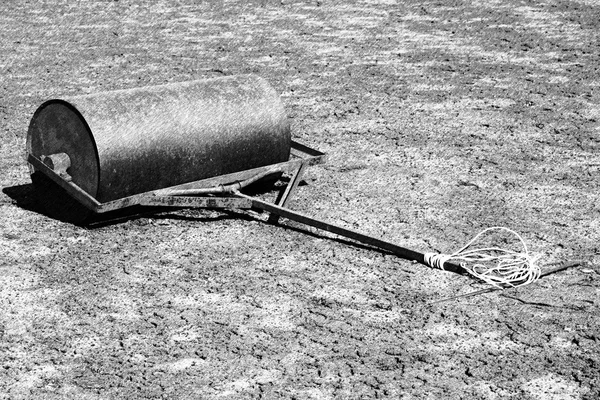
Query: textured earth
440, 118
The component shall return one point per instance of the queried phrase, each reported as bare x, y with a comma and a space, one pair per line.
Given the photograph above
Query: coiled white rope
512, 268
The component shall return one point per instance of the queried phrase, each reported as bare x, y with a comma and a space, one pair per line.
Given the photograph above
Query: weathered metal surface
59, 163
126, 142
198, 202
57, 127
222, 188
73, 190
299, 155
312, 156
287, 194
62, 199
67, 201
335, 229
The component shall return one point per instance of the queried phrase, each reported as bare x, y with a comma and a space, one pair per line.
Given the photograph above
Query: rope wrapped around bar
511, 269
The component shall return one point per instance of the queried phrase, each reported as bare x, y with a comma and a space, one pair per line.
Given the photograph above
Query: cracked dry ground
440, 118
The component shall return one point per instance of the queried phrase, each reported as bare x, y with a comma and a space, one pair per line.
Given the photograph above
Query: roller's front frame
55, 167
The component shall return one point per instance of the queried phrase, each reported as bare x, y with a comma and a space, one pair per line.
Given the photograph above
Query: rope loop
512, 268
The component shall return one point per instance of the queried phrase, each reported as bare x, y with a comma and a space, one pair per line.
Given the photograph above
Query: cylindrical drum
126, 142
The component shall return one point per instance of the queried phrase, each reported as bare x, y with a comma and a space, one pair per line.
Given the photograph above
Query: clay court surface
440, 118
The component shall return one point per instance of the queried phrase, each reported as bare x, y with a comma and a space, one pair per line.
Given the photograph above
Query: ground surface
440, 118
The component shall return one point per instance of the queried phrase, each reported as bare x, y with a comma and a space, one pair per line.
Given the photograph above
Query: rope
512, 268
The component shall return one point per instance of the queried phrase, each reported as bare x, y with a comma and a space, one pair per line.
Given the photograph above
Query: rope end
508, 268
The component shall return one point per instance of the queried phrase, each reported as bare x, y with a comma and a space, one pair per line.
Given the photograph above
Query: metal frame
201, 193
208, 193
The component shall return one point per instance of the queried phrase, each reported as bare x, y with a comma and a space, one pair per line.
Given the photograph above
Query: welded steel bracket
206, 193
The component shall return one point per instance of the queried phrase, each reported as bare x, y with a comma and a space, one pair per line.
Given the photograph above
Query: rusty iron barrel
126, 142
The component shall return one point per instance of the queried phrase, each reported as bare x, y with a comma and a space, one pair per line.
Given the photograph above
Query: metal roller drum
125, 142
